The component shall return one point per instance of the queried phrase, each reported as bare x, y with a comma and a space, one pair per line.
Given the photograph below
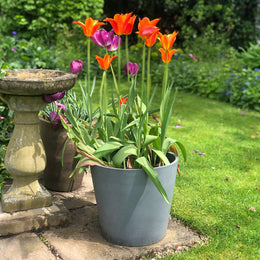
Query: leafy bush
243, 89
43, 18
20, 53
251, 56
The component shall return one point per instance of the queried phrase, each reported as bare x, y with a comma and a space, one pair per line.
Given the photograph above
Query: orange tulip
147, 28
90, 26
105, 62
167, 40
123, 100
167, 55
151, 40
122, 23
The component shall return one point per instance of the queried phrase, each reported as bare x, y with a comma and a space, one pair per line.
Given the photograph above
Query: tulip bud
132, 68
76, 66
53, 97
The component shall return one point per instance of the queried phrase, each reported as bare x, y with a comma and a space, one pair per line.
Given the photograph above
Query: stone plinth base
33, 219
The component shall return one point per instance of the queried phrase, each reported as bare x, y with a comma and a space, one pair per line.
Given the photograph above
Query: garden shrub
251, 56
243, 89
20, 53
43, 18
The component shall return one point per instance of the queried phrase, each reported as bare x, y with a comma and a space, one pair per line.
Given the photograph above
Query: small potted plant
60, 152
124, 140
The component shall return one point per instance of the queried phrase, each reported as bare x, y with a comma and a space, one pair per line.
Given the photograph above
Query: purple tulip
102, 38
76, 66
114, 44
55, 119
60, 106
132, 67
54, 116
53, 97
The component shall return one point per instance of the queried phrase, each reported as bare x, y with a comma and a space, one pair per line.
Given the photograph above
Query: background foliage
34, 18
217, 20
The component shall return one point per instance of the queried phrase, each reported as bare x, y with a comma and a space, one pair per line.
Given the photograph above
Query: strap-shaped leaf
82, 164
107, 148
78, 132
132, 123
161, 155
166, 112
123, 153
149, 139
169, 141
183, 150
85, 148
150, 171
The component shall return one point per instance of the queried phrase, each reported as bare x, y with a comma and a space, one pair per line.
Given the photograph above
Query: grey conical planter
131, 210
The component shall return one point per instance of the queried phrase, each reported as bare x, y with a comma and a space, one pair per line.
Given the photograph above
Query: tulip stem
143, 71
115, 81
103, 99
89, 63
127, 57
119, 61
165, 81
148, 76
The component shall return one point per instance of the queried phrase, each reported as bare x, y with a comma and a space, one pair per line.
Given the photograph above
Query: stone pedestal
25, 157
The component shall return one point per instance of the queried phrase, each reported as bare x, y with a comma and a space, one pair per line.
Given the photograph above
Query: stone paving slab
82, 239
26, 246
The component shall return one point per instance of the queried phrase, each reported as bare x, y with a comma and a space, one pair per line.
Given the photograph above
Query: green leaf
155, 131
134, 122
150, 171
149, 139
167, 143
26, 58
106, 149
165, 112
183, 150
86, 148
123, 153
162, 156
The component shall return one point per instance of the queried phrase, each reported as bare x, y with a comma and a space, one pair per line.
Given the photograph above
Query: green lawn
216, 190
